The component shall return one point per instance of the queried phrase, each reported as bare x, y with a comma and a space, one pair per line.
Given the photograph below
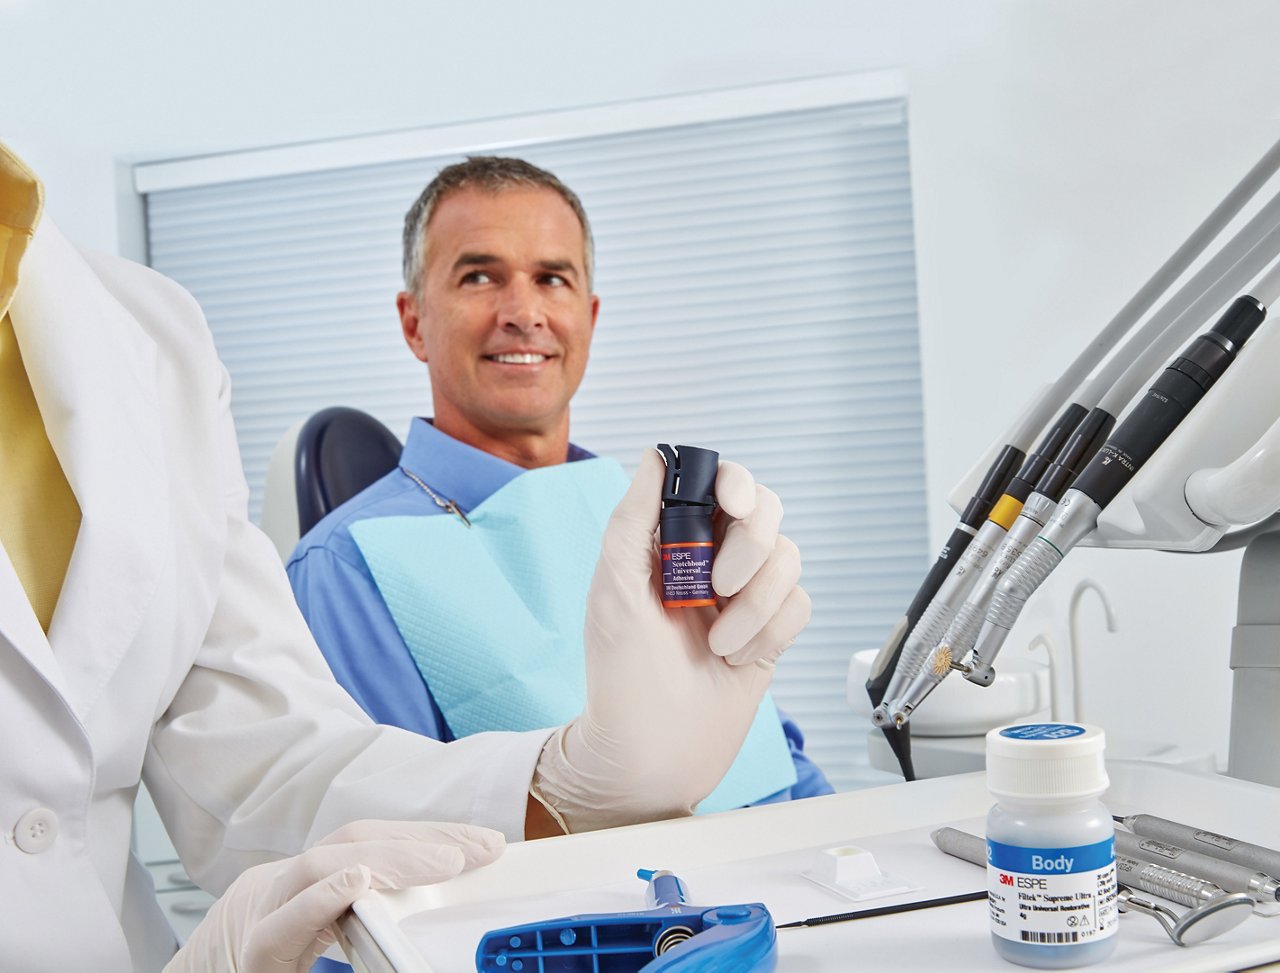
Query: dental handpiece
951, 593
933, 622
1144, 876
1168, 883
963, 631
1207, 842
1170, 398
885, 665
1227, 875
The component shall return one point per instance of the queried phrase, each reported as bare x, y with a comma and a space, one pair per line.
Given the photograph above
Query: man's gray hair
492, 174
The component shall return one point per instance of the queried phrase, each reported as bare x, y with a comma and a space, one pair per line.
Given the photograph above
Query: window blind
757, 281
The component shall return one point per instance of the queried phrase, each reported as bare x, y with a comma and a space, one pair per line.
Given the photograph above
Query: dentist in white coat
167, 648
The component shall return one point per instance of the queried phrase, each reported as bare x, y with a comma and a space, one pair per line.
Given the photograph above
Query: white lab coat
175, 652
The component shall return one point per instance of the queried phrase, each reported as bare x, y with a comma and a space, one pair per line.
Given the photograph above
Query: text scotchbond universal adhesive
684, 528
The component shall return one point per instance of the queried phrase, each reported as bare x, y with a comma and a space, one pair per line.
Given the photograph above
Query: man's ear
595, 310
411, 325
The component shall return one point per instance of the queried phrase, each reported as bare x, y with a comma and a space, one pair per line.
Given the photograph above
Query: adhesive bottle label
1052, 896
686, 575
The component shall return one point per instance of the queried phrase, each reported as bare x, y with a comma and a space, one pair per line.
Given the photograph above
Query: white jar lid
1032, 761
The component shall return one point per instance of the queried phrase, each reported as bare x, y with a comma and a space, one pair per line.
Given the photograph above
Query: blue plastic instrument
668, 937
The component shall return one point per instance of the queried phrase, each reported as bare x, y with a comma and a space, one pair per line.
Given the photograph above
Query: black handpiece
1173, 394
1075, 455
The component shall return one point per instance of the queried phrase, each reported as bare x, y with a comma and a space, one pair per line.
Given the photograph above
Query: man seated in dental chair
147, 632
449, 597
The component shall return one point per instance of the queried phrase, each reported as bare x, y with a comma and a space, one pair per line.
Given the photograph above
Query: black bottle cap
691, 475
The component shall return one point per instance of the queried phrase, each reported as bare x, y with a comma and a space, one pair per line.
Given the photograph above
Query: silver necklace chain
444, 503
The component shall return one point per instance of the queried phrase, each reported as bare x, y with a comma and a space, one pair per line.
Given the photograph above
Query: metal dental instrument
1206, 842
1212, 911
1197, 925
1228, 875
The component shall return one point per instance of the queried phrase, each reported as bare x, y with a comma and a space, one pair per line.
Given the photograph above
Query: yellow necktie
39, 516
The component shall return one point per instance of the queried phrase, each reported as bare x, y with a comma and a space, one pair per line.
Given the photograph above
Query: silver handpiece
1206, 842
1150, 878
1165, 882
1230, 876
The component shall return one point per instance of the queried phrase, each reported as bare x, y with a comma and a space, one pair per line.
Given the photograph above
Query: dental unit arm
1191, 459
1219, 470
1003, 457
668, 937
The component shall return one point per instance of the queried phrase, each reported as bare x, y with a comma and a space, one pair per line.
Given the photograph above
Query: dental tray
758, 855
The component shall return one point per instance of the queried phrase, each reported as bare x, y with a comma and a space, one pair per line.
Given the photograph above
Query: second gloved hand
671, 693
276, 918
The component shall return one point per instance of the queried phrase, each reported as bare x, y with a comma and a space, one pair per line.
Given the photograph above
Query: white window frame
511, 133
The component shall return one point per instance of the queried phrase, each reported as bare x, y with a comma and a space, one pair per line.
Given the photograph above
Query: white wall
1061, 150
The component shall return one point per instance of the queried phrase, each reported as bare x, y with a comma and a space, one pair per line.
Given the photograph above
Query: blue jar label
1052, 896
1043, 731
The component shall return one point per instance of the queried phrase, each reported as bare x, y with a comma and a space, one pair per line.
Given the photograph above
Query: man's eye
555, 280
476, 277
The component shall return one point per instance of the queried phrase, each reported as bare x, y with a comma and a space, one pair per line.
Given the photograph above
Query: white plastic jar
1051, 873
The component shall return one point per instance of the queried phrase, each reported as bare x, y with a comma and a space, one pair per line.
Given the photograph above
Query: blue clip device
668, 937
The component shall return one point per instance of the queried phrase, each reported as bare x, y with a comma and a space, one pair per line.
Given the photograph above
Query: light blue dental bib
493, 614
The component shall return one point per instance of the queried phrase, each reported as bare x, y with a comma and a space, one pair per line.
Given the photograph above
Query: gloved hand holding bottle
672, 693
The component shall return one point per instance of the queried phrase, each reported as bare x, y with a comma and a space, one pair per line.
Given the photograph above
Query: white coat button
36, 830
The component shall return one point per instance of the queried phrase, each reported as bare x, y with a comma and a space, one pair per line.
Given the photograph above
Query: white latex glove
277, 917
671, 693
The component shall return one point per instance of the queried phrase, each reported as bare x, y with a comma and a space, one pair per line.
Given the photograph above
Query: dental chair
318, 463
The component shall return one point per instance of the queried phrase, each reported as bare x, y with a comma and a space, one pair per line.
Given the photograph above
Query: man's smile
519, 358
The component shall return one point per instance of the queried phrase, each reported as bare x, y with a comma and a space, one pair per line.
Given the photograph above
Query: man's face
505, 314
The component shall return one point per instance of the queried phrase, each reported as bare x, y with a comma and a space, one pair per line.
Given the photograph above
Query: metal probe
1206, 842
1229, 875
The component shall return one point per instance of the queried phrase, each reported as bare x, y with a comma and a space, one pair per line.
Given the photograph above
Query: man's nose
521, 308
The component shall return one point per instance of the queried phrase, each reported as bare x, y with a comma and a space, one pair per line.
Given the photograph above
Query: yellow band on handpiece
1006, 511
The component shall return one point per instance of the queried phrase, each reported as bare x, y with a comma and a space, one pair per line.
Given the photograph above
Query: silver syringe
1146, 877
